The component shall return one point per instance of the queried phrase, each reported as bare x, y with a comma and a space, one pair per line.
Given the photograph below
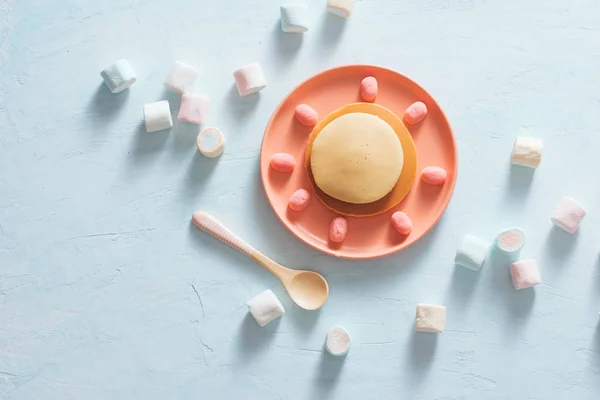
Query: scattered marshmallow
568, 215
338, 229
525, 274
181, 78
194, 108
369, 89
283, 162
295, 18
401, 223
306, 115
338, 341
341, 8
249, 79
430, 318
415, 113
527, 151
472, 253
510, 241
434, 175
119, 76
265, 307
157, 116
299, 200
211, 142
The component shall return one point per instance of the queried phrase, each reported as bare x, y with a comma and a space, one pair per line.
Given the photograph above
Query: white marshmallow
527, 151
510, 241
341, 8
568, 215
119, 76
338, 341
157, 116
294, 18
265, 307
181, 78
430, 318
472, 253
211, 142
249, 79
525, 274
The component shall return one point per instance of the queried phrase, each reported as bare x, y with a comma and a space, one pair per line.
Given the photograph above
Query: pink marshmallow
568, 215
434, 175
525, 274
369, 89
402, 223
193, 109
283, 162
415, 113
249, 79
338, 229
299, 200
306, 115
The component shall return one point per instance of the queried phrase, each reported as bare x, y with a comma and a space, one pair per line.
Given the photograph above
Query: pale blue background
98, 258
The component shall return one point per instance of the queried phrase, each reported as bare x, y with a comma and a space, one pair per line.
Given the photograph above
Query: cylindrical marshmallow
194, 108
265, 307
568, 215
157, 116
527, 151
249, 79
119, 76
341, 8
181, 78
211, 142
295, 18
338, 341
472, 253
525, 274
510, 241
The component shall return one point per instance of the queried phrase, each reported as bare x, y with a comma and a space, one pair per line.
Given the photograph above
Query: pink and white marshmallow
341, 8
250, 79
525, 274
181, 78
194, 109
510, 241
338, 341
568, 215
211, 142
527, 152
283, 162
295, 18
299, 200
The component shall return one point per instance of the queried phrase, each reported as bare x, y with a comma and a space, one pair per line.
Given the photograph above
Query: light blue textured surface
99, 266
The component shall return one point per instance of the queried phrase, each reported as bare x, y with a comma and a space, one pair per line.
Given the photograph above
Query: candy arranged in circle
434, 175
338, 229
283, 162
369, 89
404, 182
299, 200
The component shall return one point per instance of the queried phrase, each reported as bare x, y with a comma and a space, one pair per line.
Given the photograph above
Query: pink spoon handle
213, 227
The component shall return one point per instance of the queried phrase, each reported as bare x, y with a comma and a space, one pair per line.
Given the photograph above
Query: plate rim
336, 253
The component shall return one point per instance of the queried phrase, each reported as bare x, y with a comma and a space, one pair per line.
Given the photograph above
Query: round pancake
357, 158
404, 183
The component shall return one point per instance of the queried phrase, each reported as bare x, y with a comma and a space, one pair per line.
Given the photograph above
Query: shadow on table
421, 354
105, 106
254, 339
241, 107
287, 46
327, 376
331, 29
519, 182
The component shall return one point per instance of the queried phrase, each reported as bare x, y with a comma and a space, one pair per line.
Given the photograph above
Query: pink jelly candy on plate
306, 115
299, 200
402, 223
369, 89
338, 229
283, 162
434, 175
415, 112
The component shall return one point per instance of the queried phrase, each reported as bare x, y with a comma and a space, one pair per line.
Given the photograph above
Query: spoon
308, 289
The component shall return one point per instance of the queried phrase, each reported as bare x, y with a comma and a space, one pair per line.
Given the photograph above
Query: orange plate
368, 237
405, 181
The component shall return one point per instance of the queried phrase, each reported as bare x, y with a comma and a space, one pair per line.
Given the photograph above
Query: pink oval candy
401, 222
434, 175
369, 89
283, 162
306, 115
338, 229
299, 200
415, 112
